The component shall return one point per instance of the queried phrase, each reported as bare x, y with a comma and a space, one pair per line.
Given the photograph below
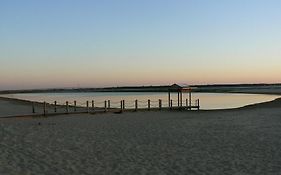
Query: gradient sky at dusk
95, 43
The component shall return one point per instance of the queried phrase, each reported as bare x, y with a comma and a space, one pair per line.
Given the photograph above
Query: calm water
207, 100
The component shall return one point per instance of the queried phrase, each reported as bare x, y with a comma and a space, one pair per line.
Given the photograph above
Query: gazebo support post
178, 98
190, 99
169, 98
181, 98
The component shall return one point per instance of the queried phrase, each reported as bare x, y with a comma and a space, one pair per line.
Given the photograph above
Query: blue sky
83, 43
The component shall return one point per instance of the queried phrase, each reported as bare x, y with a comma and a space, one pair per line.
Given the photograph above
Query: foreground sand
241, 141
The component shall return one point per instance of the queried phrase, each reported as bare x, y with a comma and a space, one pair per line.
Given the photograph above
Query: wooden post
198, 104
108, 104
55, 106
93, 105
124, 104
75, 106
87, 104
169, 98
121, 105
33, 108
105, 107
181, 98
171, 104
178, 98
44, 110
190, 98
67, 107
160, 104
186, 102
148, 104
136, 105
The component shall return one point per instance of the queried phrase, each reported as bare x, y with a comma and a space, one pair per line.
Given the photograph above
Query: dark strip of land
219, 88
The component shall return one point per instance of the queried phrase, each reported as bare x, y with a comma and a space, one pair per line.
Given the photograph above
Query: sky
101, 43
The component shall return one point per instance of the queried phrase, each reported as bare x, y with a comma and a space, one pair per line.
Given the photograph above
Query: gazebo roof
176, 87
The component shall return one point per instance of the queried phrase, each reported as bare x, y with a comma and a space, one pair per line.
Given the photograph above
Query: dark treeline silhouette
237, 85
106, 89
164, 88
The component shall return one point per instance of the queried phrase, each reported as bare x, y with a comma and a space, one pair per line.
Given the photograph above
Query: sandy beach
140, 87
10, 107
240, 141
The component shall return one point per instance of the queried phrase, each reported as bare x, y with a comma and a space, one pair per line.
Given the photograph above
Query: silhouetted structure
179, 89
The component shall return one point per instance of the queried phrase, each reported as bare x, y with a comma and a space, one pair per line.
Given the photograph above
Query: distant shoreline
274, 89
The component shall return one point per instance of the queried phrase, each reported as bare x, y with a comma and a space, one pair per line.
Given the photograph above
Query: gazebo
179, 89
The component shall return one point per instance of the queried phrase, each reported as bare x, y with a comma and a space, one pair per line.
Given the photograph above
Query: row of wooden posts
122, 106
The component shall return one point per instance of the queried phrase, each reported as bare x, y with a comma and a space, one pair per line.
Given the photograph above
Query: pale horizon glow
56, 44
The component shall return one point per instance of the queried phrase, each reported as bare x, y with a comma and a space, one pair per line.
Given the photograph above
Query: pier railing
92, 106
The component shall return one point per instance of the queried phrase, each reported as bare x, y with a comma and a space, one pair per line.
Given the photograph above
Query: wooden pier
120, 106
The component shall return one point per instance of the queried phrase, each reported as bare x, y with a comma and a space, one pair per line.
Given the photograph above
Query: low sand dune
240, 141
